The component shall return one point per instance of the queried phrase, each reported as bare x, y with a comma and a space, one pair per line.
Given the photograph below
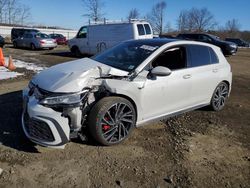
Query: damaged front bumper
46, 126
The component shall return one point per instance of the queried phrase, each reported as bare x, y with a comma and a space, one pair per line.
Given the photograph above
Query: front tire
111, 120
76, 52
220, 96
15, 44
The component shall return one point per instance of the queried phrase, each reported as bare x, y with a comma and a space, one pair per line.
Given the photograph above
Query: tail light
54, 41
42, 41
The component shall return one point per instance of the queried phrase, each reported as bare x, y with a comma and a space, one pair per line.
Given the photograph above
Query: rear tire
32, 46
111, 120
219, 97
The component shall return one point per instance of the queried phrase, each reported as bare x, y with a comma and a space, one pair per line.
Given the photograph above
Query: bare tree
24, 14
11, 10
196, 20
133, 14
156, 17
168, 27
94, 9
183, 21
14, 12
232, 26
3, 4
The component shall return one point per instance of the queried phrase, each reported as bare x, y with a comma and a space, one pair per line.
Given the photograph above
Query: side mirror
160, 71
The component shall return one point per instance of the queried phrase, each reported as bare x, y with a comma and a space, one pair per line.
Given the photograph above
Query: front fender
128, 89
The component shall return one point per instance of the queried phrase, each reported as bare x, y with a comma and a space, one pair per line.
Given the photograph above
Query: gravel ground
197, 149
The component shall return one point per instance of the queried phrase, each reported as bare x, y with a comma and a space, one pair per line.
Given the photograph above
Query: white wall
6, 31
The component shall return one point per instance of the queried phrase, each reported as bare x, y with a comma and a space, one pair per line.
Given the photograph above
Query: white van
92, 39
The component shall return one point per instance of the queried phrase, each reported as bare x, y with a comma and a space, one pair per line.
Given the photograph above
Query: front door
82, 40
164, 95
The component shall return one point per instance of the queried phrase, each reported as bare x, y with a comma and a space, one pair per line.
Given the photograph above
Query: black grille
38, 129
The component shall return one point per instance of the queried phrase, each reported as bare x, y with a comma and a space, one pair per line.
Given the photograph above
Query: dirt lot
197, 149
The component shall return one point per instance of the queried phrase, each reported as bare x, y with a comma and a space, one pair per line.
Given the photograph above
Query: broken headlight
66, 99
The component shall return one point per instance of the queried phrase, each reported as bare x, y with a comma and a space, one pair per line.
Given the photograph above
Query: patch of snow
28, 66
6, 74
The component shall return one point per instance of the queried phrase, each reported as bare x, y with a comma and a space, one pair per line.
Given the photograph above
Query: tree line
191, 20
14, 12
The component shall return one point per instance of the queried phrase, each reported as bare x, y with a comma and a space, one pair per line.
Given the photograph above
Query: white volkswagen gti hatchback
126, 86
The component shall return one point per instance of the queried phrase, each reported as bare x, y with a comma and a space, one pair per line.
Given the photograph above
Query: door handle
187, 76
215, 70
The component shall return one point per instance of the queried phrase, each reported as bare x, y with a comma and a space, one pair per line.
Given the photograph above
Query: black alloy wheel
111, 120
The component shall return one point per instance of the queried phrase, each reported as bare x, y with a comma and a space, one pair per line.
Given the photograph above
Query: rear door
23, 40
204, 71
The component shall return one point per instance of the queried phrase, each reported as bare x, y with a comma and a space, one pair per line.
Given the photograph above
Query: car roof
154, 42
164, 41
25, 29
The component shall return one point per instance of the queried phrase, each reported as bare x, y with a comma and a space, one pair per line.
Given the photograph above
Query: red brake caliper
106, 127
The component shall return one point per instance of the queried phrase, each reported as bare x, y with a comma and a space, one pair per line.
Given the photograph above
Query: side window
213, 57
147, 29
21, 33
199, 55
205, 38
140, 29
82, 33
173, 58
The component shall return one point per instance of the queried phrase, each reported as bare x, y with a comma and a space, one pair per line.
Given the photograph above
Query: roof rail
106, 21
137, 20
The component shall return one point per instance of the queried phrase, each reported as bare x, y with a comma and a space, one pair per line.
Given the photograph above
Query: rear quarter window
213, 57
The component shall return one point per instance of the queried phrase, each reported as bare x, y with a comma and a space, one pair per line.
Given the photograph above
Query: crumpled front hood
73, 76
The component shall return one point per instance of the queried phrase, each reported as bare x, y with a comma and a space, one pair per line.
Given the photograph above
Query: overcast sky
68, 13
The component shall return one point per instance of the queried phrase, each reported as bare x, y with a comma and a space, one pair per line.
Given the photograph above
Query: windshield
127, 55
42, 35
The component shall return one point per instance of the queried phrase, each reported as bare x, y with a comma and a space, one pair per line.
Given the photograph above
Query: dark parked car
19, 32
60, 39
1, 41
228, 48
238, 41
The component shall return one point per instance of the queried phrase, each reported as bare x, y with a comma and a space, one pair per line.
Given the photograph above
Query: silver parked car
34, 40
126, 86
